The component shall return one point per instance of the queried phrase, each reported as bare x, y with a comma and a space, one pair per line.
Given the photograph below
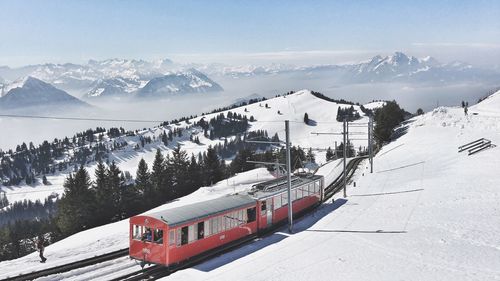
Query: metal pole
347, 130
289, 178
370, 142
345, 144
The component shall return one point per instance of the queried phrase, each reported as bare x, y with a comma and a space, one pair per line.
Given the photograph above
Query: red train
176, 235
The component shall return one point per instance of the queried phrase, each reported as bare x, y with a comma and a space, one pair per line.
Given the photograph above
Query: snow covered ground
426, 213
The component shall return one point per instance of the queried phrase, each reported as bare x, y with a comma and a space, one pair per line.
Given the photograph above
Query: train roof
179, 215
272, 187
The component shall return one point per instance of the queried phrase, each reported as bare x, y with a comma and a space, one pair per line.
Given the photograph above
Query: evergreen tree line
332, 154
386, 119
28, 210
29, 161
224, 126
230, 148
349, 113
110, 197
19, 238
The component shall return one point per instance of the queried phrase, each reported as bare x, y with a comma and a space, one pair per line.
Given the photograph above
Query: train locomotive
174, 236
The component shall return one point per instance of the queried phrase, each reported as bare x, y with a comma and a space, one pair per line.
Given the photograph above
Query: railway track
155, 272
338, 183
69, 266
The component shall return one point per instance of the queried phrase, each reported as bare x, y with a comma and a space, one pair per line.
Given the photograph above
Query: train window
222, 224
245, 217
216, 225
228, 220
212, 226
178, 238
277, 201
184, 235
201, 230
299, 192
294, 195
147, 235
251, 214
316, 187
311, 188
284, 198
158, 236
137, 232
206, 228
192, 230
171, 237
263, 207
241, 217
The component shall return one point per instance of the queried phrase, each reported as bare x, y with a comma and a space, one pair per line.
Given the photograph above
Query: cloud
285, 56
459, 45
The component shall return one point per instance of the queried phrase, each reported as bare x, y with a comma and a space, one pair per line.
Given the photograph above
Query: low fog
410, 96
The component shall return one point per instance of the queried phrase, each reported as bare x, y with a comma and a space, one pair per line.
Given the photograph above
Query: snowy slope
426, 213
291, 107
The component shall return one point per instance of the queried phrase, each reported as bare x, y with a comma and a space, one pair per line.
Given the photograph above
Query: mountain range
397, 67
154, 79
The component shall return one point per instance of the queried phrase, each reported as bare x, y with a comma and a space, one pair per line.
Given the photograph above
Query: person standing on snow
41, 248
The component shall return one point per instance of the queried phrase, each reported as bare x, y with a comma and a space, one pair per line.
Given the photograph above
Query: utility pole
370, 142
289, 177
345, 144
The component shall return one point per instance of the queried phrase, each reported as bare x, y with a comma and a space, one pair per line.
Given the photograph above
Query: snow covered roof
198, 210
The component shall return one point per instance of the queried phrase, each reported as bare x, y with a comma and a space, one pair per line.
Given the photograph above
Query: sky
230, 31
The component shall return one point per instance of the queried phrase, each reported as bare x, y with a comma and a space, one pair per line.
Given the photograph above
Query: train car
272, 198
175, 235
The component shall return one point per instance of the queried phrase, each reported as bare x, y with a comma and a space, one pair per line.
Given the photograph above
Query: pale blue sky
246, 31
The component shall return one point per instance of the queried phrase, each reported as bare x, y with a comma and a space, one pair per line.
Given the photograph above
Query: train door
269, 203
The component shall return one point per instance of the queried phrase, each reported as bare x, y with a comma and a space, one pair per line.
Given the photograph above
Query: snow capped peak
30, 91
189, 81
25, 82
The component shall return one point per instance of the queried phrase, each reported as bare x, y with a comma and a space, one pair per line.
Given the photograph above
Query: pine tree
306, 118
76, 207
115, 184
310, 155
158, 176
386, 119
212, 167
103, 194
143, 181
329, 154
194, 175
178, 165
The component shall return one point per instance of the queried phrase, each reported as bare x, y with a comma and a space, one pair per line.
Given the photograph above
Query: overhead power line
80, 118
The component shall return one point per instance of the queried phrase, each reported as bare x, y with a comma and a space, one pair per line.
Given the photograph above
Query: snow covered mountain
190, 81
113, 87
116, 77
108, 77
397, 67
32, 92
